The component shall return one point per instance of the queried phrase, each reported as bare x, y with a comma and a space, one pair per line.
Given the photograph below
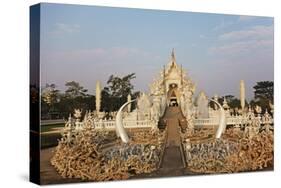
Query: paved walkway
172, 162
48, 173
172, 159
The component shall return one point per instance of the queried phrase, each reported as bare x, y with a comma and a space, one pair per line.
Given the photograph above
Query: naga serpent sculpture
222, 122
120, 130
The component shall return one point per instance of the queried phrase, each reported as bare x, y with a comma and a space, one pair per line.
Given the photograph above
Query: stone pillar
242, 94
129, 99
98, 96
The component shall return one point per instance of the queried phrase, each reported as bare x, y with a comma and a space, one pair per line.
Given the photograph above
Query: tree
67, 105
74, 90
121, 87
50, 96
263, 94
231, 100
264, 91
116, 92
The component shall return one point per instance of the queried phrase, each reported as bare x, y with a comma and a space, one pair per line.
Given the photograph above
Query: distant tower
98, 96
242, 94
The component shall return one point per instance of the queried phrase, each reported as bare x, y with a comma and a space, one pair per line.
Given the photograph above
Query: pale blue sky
88, 43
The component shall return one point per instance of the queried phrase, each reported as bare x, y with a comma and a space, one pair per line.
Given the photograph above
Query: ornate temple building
171, 88
174, 84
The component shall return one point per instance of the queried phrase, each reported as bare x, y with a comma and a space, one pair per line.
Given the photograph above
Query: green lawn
46, 128
50, 140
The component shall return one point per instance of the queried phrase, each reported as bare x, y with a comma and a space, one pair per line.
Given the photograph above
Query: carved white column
129, 99
98, 96
242, 94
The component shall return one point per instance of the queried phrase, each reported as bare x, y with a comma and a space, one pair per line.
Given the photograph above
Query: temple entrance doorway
173, 95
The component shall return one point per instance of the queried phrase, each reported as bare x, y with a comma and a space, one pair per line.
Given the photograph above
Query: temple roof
173, 74
172, 66
172, 63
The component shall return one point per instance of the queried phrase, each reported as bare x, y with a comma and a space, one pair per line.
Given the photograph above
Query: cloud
223, 25
202, 36
246, 18
250, 45
240, 48
255, 32
63, 28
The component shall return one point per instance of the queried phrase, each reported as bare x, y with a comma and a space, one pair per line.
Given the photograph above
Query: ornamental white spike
120, 130
242, 94
222, 122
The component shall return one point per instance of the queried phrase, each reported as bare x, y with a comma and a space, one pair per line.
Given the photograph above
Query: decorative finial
173, 56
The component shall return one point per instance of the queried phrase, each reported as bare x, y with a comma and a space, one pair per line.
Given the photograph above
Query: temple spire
173, 57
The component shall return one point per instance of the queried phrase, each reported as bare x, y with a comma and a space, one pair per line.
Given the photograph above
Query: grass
46, 128
50, 140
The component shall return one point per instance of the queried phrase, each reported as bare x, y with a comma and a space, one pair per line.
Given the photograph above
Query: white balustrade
232, 120
109, 124
213, 121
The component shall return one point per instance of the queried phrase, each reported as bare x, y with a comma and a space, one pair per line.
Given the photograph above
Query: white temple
171, 88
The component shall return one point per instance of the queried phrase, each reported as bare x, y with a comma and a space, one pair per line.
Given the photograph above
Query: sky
90, 43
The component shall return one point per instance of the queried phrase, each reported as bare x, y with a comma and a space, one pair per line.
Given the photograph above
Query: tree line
263, 97
58, 104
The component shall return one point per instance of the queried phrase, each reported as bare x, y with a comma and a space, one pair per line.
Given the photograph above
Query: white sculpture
266, 120
222, 121
258, 109
68, 124
77, 113
202, 103
216, 99
120, 130
225, 105
144, 105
